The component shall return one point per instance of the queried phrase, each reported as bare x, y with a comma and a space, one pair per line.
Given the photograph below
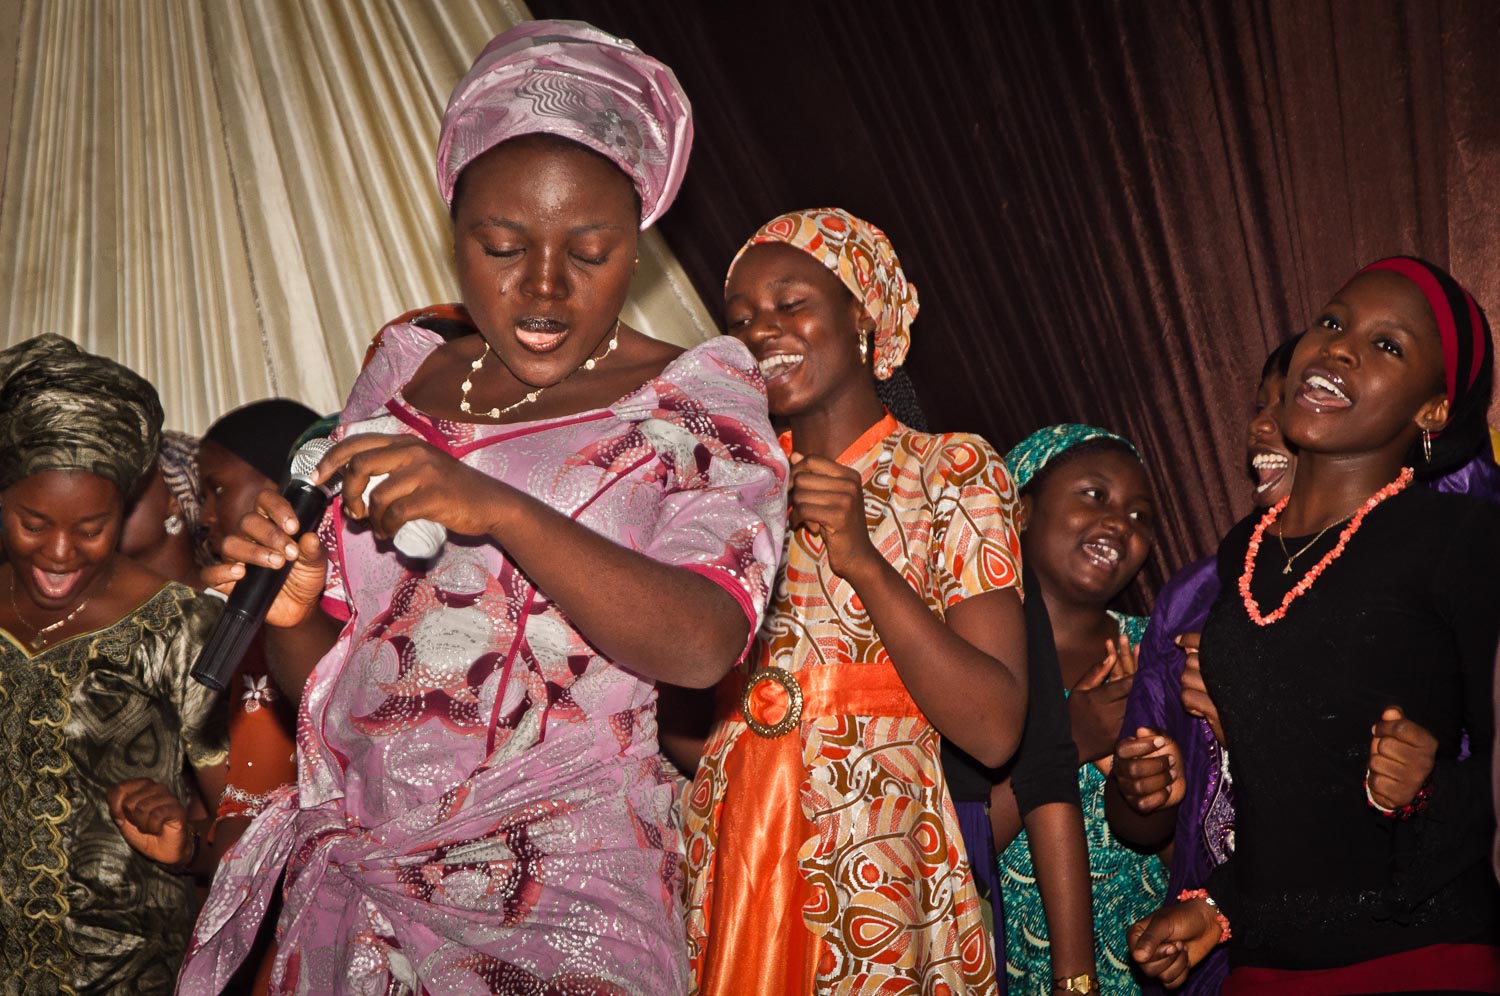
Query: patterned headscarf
65, 409
178, 460
1462, 326
1027, 458
570, 79
861, 256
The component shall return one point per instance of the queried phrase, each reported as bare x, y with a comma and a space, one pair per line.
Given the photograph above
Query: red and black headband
1462, 326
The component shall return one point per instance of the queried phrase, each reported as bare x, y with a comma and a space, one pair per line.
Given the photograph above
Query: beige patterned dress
80, 911
889, 900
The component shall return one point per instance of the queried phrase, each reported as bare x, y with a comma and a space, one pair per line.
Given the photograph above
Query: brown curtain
1112, 210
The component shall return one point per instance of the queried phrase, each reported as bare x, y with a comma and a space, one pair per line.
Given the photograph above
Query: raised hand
267, 538
1148, 771
827, 499
1402, 755
1172, 940
152, 820
1121, 657
1195, 699
1096, 708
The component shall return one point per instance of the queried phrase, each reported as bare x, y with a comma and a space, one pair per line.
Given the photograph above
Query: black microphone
254, 593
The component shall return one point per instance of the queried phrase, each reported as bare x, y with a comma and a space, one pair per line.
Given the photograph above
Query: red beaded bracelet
1406, 812
1186, 894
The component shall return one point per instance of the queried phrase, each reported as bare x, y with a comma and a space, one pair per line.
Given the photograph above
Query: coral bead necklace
1300, 588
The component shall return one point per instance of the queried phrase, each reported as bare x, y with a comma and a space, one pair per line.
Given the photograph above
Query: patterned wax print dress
1126, 885
876, 893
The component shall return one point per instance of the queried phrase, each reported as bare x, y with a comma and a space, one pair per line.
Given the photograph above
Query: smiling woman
1088, 521
94, 689
824, 851
1350, 652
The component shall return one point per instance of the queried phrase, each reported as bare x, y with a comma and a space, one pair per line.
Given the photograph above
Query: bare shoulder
132, 585
646, 356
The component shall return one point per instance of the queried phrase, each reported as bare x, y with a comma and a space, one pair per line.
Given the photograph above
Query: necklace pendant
1288, 568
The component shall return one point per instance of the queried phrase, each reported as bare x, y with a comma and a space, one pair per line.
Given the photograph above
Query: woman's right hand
1172, 940
267, 538
1096, 704
1148, 771
1195, 697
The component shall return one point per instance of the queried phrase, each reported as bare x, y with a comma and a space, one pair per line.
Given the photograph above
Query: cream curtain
230, 196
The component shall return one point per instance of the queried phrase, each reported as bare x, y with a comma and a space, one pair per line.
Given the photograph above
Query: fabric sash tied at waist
757, 939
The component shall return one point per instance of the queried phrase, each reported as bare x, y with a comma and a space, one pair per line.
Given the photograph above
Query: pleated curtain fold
232, 197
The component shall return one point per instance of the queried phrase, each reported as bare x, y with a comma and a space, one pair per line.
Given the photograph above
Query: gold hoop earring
864, 348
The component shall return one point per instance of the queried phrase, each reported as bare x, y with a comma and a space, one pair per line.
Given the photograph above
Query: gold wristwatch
1085, 983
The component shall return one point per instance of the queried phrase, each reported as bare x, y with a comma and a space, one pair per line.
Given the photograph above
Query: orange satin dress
828, 859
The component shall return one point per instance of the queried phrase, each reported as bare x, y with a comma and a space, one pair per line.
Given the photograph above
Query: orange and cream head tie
864, 260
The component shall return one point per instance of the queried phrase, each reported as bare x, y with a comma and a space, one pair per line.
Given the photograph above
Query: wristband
1186, 894
186, 865
1406, 812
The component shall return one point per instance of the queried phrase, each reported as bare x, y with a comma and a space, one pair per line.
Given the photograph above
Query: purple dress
481, 805
1204, 835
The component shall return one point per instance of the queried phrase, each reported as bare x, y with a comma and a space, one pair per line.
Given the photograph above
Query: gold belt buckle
793, 716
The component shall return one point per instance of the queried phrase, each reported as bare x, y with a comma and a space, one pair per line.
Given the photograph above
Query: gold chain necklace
1293, 556
468, 384
39, 639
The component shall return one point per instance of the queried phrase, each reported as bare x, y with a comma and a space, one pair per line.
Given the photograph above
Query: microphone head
306, 460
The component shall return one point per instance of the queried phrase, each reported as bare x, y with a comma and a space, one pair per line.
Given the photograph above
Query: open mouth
1103, 553
781, 365
541, 335
1270, 470
54, 584
1322, 392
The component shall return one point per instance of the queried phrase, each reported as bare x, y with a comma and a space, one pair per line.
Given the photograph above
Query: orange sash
757, 940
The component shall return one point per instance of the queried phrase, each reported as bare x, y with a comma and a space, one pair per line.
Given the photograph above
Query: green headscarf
62, 408
1027, 458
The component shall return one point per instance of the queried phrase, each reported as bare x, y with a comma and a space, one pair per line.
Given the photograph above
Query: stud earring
1426, 445
173, 525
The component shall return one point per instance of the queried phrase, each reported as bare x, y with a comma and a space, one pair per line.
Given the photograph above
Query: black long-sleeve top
1408, 616
1045, 766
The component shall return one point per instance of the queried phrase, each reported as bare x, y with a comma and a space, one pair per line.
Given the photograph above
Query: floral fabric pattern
481, 805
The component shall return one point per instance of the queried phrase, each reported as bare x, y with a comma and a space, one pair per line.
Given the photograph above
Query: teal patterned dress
1127, 885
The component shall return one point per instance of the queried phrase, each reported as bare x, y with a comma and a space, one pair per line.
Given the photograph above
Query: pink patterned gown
481, 806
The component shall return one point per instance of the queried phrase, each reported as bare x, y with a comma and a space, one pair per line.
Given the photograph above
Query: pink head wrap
570, 79
862, 257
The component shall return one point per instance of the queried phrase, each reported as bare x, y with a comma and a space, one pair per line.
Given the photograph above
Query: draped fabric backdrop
231, 197
1112, 210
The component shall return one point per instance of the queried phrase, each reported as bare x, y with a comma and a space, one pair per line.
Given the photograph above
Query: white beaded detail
468, 384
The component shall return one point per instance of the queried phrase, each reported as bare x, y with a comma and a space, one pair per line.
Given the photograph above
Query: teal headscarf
1027, 458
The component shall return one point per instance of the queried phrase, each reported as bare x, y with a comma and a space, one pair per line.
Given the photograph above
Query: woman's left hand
828, 500
421, 482
1169, 942
1402, 755
152, 820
